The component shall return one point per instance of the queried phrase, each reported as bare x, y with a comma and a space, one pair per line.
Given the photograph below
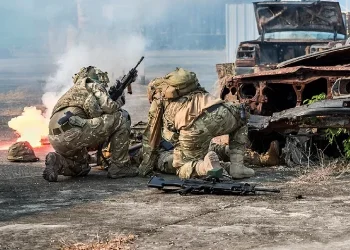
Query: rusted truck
301, 52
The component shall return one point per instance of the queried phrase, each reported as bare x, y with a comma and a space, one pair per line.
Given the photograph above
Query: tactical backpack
174, 85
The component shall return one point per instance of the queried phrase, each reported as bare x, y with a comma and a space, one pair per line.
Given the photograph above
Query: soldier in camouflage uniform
96, 119
189, 117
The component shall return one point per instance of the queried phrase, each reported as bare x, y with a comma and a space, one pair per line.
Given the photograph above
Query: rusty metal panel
240, 26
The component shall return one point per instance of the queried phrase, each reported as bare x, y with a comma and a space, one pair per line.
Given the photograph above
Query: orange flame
31, 126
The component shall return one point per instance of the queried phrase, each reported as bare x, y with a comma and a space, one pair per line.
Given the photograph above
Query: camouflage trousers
72, 145
164, 163
193, 143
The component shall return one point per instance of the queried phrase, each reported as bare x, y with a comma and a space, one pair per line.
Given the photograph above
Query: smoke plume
114, 57
111, 40
106, 34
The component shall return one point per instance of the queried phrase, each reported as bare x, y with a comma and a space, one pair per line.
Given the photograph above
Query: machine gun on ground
117, 89
212, 184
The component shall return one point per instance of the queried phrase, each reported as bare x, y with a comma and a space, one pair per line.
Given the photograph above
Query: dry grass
11, 111
121, 242
327, 171
13, 102
15, 95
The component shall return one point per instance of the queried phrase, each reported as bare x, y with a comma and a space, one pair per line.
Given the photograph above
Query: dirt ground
35, 214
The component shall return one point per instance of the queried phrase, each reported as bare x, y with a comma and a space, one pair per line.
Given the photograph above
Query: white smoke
114, 57
107, 34
112, 41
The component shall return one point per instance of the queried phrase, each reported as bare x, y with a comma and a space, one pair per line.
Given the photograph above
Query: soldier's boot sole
212, 159
51, 168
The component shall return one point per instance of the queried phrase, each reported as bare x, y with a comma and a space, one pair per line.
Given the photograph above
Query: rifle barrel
139, 62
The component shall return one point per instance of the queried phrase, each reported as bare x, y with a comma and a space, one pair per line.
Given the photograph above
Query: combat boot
127, 170
52, 167
85, 169
237, 169
271, 158
226, 166
211, 160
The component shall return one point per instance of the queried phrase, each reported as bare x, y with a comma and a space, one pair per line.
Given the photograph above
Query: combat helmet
93, 73
21, 152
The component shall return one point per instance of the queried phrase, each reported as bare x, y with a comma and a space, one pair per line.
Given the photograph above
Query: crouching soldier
84, 117
185, 114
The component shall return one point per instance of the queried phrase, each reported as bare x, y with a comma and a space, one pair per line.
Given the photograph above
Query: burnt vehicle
289, 29
276, 98
301, 53
303, 127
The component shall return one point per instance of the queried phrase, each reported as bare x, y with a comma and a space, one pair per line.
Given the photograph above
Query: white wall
240, 26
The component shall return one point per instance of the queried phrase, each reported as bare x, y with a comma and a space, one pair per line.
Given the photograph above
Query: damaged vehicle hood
330, 57
276, 16
335, 113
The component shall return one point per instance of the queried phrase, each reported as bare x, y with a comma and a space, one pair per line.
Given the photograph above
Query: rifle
117, 89
209, 185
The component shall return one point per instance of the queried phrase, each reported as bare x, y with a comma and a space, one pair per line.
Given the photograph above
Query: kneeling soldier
185, 114
84, 117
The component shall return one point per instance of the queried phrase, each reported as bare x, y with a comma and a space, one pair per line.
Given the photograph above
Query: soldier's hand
135, 76
118, 84
121, 99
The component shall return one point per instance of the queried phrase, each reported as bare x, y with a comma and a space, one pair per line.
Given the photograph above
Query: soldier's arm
107, 105
149, 154
121, 100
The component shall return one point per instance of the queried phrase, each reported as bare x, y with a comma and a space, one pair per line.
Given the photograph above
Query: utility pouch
77, 121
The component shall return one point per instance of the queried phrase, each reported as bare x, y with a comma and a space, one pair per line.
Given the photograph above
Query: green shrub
315, 98
332, 133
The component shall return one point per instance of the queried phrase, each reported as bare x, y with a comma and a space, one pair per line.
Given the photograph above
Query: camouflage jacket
176, 115
90, 97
